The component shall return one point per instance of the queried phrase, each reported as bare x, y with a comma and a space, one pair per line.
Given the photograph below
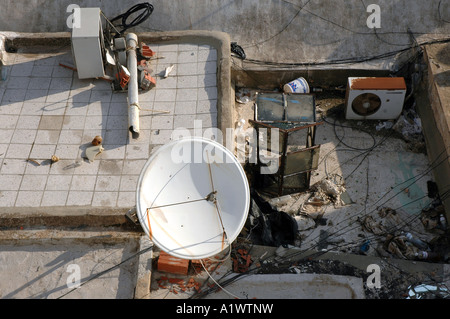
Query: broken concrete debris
171, 264
304, 222
241, 260
327, 191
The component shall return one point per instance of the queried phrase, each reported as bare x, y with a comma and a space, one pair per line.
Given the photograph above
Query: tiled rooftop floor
46, 110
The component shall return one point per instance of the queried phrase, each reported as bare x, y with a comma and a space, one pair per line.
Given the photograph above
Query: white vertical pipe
133, 96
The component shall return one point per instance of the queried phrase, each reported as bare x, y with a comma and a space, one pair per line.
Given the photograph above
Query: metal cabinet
290, 118
87, 44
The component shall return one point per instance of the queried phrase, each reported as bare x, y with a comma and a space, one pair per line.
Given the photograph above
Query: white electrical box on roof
374, 98
87, 44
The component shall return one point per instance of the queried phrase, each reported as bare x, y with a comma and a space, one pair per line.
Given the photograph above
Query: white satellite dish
192, 198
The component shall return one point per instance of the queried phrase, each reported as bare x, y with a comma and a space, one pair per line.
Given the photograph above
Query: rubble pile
389, 233
403, 236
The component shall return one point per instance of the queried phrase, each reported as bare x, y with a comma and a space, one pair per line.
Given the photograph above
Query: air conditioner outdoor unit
88, 44
374, 98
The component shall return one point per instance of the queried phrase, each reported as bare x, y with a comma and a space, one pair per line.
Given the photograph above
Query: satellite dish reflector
192, 198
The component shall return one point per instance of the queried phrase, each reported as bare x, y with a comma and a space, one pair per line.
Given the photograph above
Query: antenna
192, 198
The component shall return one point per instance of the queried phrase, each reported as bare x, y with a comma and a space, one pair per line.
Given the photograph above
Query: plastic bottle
443, 221
240, 126
422, 255
416, 241
364, 248
4, 72
428, 255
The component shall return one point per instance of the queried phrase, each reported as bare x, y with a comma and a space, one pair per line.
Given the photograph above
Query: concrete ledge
144, 271
63, 236
435, 115
276, 78
63, 216
294, 286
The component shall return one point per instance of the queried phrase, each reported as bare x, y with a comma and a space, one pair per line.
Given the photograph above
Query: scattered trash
4, 69
279, 201
123, 76
239, 126
54, 158
398, 246
144, 65
331, 190
364, 248
443, 221
33, 161
384, 125
241, 260
147, 81
168, 70
244, 95
109, 58
372, 226
325, 192
433, 218
299, 85
93, 151
416, 241
97, 140
271, 227
425, 291
132, 215
413, 240
425, 255
409, 125
145, 51
304, 222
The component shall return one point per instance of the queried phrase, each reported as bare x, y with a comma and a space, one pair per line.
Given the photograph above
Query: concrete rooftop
46, 110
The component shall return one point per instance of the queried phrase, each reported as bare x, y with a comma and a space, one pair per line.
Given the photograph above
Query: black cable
353, 31
347, 126
284, 28
145, 7
238, 50
380, 205
342, 61
285, 258
309, 257
431, 167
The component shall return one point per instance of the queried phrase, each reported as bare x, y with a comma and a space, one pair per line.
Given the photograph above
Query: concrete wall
272, 30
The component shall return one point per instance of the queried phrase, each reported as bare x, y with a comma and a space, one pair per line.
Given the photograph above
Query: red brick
173, 265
